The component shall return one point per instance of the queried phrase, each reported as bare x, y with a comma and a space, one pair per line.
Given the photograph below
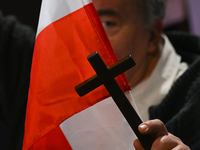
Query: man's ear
155, 33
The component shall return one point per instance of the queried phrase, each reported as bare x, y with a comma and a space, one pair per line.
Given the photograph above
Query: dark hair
151, 9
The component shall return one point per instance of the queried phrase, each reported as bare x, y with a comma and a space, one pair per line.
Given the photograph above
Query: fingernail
144, 127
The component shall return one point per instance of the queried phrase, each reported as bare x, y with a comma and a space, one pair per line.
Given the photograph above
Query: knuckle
158, 144
182, 147
157, 122
160, 122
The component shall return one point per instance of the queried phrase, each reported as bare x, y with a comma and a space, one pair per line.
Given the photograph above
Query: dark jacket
180, 109
16, 48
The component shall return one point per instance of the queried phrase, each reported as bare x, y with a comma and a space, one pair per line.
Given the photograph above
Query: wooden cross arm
115, 70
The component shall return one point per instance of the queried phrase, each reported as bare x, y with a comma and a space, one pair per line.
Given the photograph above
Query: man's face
126, 33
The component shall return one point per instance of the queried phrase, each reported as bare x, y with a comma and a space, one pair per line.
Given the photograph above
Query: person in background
166, 79
16, 49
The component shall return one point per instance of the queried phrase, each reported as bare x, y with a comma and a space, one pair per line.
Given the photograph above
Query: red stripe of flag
55, 139
59, 64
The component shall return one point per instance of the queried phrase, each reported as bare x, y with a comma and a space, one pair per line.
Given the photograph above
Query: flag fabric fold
68, 31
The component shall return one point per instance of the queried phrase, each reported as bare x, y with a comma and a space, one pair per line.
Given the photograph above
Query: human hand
163, 139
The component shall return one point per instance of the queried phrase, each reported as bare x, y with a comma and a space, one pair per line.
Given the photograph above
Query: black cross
106, 76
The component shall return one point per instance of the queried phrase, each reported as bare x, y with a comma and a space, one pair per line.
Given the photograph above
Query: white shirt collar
152, 90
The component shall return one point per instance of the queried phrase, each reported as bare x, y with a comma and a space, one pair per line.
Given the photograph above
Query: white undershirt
152, 90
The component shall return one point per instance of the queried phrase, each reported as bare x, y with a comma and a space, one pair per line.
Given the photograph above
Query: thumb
154, 127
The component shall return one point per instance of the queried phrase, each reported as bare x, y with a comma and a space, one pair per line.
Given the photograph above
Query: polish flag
57, 118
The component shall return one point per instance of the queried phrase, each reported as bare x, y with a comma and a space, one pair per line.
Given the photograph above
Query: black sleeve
16, 49
179, 110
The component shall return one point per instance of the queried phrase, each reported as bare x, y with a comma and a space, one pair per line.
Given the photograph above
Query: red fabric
59, 64
55, 139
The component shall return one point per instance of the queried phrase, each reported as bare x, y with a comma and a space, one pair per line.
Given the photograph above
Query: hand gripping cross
106, 76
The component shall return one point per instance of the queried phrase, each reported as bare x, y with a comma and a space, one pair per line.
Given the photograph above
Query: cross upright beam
106, 76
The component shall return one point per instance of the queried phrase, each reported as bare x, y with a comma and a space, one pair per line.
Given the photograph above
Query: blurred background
26, 11
181, 15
